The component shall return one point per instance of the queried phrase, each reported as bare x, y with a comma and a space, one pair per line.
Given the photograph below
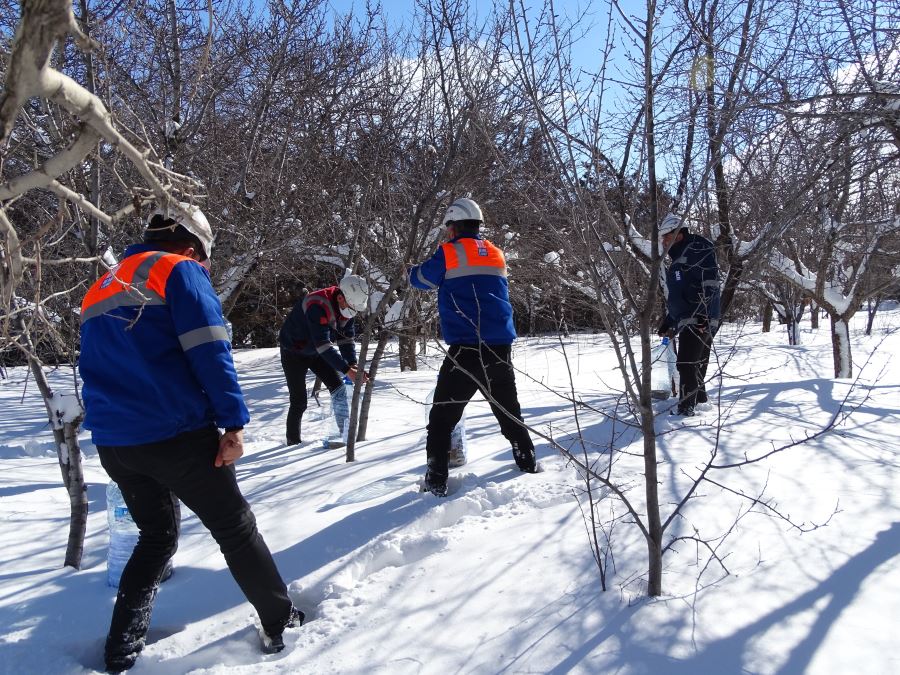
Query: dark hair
466, 226
162, 229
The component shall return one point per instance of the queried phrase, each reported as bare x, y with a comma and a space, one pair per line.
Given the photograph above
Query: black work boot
272, 643
435, 484
683, 411
524, 458
128, 628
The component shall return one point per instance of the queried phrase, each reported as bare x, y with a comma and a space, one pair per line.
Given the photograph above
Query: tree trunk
813, 315
65, 435
411, 327
651, 483
840, 345
73, 478
407, 349
767, 317
353, 422
871, 309
370, 385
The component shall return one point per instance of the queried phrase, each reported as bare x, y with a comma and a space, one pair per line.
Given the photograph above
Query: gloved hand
665, 331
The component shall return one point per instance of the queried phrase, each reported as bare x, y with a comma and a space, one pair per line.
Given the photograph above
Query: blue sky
587, 53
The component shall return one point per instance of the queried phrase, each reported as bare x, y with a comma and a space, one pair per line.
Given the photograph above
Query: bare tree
30, 77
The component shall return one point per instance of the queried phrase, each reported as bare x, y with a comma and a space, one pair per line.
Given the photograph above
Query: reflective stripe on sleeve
321, 349
423, 280
465, 271
200, 336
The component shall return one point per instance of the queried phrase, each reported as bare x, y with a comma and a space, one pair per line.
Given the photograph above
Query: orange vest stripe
450, 256
159, 273
121, 280
473, 256
121, 274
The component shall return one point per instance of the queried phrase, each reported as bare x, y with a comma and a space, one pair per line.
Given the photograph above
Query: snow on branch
44, 24
57, 165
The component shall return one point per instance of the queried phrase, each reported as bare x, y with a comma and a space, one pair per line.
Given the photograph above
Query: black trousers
151, 477
693, 359
467, 369
295, 367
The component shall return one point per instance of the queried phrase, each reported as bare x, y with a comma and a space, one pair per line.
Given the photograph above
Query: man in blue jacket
469, 274
317, 322
158, 384
692, 281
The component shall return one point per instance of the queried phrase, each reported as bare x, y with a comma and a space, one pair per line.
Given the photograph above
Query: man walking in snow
315, 324
692, 307
159, 383
469, 274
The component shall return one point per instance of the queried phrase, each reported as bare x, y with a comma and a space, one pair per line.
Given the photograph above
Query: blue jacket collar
134, 249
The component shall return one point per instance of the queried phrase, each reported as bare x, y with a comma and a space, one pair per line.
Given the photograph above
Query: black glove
665, 331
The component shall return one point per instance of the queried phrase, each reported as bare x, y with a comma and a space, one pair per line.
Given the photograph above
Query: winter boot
683, 411
128, 628
272, 643
119, 662
524, 458
436, 485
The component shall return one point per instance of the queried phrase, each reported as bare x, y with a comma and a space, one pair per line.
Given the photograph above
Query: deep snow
498, 577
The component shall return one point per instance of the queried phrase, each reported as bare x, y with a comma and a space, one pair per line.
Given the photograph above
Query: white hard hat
186, 215
356, 292
669, 224
462, 209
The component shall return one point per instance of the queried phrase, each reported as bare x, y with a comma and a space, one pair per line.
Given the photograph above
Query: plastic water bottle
340, 406
458, 444
662, 359
123, 534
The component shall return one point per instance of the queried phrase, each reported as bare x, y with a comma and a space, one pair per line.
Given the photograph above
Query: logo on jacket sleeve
482, 249
109, 277
677, 275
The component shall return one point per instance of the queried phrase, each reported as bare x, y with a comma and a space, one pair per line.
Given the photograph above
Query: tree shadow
828, 599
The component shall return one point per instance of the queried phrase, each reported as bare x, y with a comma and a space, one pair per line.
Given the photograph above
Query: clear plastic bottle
340, 406
662, 358
123, 534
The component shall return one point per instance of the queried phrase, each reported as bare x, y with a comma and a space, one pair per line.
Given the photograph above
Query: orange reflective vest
467, 257
139, 280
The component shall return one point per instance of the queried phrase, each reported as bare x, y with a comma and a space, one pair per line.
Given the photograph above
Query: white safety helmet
356, 292
186, 215
669, 224
462, 209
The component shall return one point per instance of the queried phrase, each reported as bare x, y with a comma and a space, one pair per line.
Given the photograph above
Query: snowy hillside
498, 577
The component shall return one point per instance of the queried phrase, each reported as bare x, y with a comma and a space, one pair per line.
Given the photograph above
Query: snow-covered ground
498, 577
